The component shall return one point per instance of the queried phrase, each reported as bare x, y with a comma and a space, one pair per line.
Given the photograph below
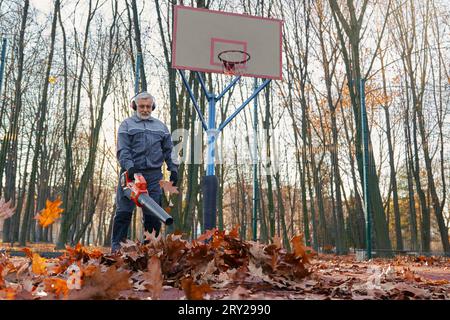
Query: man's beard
141, 116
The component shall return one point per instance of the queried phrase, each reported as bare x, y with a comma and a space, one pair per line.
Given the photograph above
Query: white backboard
200, 35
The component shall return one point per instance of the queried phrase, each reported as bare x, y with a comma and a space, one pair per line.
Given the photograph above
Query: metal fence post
365, 140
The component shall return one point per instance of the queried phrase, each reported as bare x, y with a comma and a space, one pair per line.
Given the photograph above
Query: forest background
69, 77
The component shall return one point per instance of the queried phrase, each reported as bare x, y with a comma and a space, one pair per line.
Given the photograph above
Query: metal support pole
231, 85
210, 182
365, 140
211, 134
202, 83
246, 102
194, 101
2, 65
255, 165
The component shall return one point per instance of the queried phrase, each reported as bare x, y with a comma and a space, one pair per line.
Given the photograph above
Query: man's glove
131, 173
174, 177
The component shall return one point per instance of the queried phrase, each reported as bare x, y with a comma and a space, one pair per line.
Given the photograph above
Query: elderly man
143, 143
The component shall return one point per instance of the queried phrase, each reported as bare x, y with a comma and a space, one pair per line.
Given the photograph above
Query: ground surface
223, 267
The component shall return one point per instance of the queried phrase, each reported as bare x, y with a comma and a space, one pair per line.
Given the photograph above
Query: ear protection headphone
134, 106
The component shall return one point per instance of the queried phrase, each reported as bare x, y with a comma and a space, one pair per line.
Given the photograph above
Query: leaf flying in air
168, 187
6, 209
299, 249
51, 212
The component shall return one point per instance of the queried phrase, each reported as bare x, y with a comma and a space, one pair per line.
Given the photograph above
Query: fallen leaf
151, 237
234, 233
410, 275
240, 293
6, 209
411, 291
168, 186
276, 240
193, 291
51, 212
102, 285
75, 279
39, 265
154, 278
2, 281
28, 252
7, 294
218, 238
56, 286
206, 235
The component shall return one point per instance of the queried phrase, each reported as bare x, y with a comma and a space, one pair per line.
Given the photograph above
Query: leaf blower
137, 192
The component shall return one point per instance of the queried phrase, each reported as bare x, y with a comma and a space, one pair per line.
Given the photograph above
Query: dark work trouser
125, 207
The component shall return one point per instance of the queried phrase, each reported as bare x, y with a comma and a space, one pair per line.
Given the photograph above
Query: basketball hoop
234, 61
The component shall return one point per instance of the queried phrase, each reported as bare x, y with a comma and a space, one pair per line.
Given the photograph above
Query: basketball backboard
203, 39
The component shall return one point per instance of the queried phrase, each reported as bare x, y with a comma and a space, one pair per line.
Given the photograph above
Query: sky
45, 6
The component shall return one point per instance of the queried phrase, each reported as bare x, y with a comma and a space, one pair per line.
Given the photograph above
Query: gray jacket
144, 144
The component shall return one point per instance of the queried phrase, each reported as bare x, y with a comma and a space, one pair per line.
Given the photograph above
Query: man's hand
174, 177
131, 173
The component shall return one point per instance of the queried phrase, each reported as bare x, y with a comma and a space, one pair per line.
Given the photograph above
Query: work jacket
144, 144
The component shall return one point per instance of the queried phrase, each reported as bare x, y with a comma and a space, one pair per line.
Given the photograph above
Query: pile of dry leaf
218, 265
214, 266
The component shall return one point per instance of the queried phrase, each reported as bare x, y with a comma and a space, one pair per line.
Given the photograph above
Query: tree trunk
30, 205
137, 38
353, 71
8, 154
393, 182
96, 122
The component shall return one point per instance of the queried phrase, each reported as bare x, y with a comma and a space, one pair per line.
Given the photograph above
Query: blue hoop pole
194, 101
202, 83
235, 113
211, 133
210, 182
231, 85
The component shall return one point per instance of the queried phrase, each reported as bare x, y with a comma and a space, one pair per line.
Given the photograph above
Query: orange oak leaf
2, 282
95, 254
234, 233
218, 238
410, 275
56, 286
51, 212
193, 291
28, 252
168, 187
277, 241
38, 265
7, 294
77, 253
299, 249
206, 235
100, 285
